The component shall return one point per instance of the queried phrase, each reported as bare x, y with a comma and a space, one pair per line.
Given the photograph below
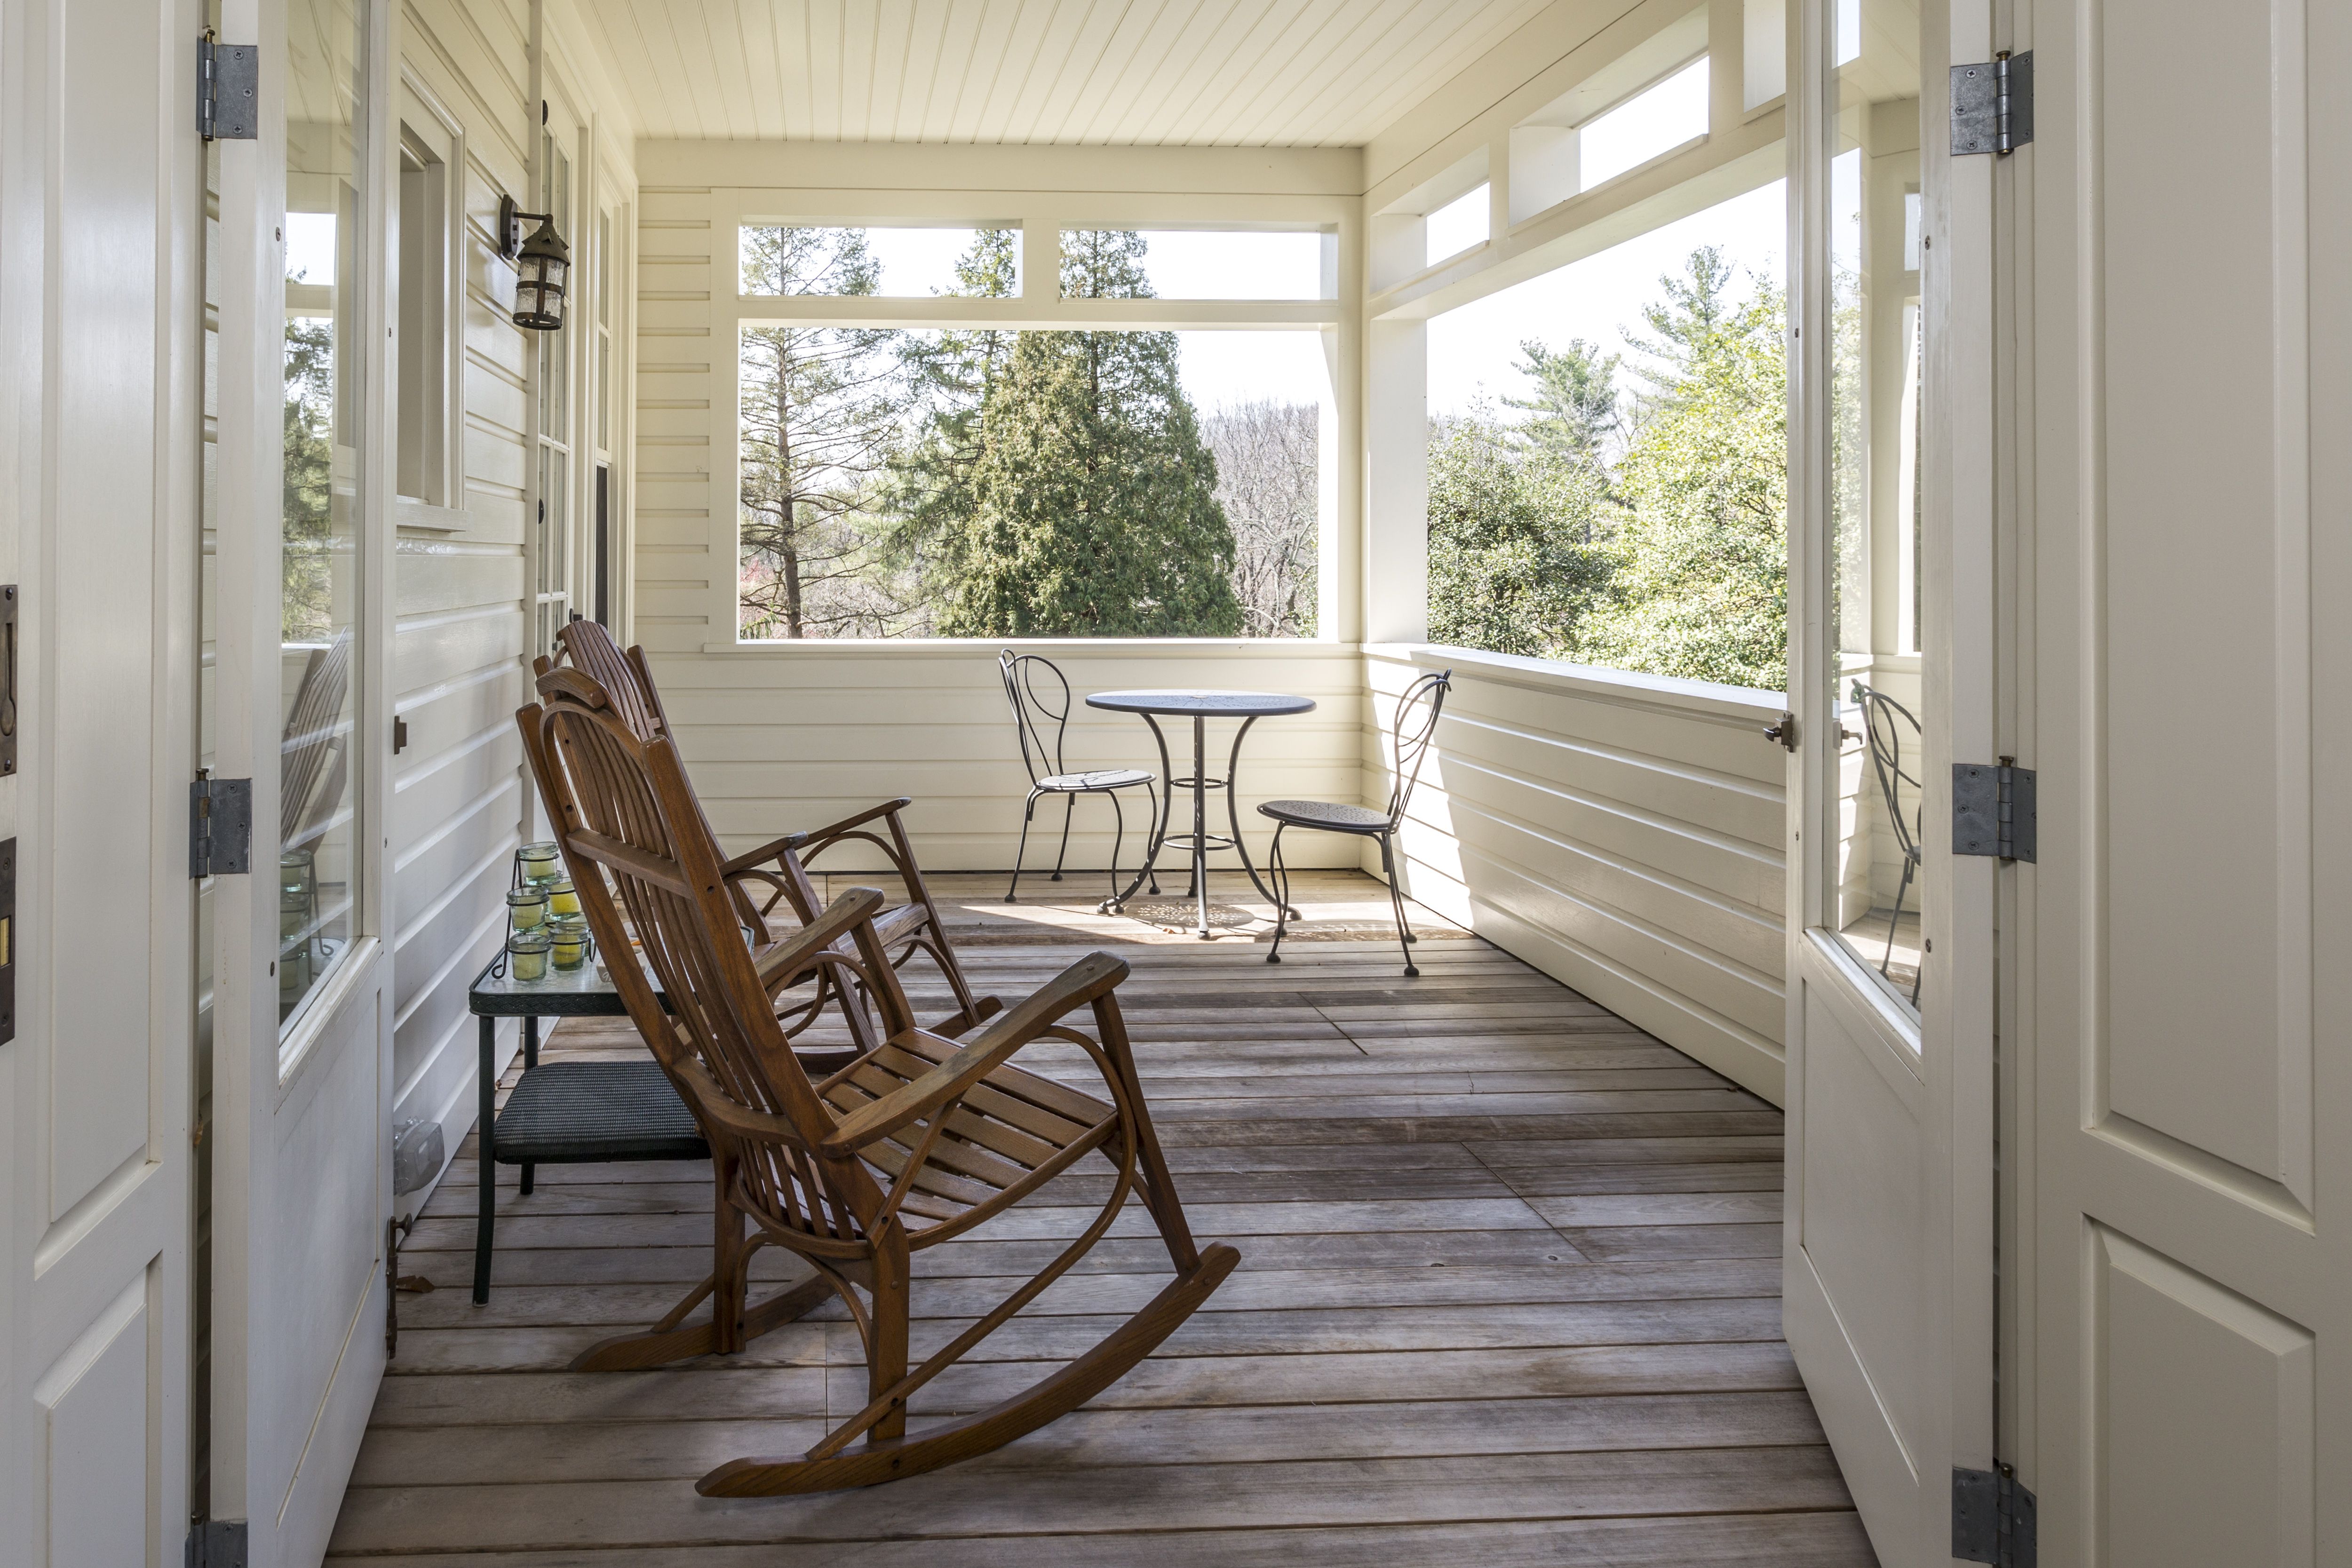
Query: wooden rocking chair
915, 1143
779, 868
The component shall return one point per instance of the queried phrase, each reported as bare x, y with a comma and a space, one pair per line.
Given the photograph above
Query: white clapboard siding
1621, 833
458, 669
778, 740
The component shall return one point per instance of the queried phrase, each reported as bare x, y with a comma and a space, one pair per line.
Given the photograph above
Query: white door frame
298, 1346
1932, 1079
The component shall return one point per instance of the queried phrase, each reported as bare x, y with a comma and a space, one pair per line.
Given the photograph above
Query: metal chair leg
1027, 812
1118, 836
1280, 874
1396, 902
1894, 922
1069, 809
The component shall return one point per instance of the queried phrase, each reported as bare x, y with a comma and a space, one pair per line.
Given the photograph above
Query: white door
1888, 1240
2188, 1280
99, 218
303, 991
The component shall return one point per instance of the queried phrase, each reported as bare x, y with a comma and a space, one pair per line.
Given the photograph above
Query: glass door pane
1873, 704
322, 514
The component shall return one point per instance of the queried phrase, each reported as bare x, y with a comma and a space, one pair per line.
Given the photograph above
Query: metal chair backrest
1880, 722
1040, 695
1416, 726
635, 840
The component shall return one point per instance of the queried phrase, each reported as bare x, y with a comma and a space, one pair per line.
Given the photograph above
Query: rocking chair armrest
846, 913
1075, 986
751, 860
831, 830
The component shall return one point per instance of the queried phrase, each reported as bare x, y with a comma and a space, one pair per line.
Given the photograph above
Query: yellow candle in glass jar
570, 942
527, 953
540, 862
562, 898
527, 907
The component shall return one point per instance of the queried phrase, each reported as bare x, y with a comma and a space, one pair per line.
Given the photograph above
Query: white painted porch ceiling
1253, 73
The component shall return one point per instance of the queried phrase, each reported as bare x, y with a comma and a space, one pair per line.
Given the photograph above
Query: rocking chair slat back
626, 808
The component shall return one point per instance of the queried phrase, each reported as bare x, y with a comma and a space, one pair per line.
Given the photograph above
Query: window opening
886, 261
1458, 225
1645, 126
421, 327
1608, 461
1230, 264
980, 482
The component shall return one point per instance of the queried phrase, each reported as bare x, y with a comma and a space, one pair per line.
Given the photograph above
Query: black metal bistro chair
1882, 717
1040, 695
1416, 726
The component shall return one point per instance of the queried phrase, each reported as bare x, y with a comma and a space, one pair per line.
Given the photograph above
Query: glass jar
527, 952
562, 898
527, 906
297, 874
296, 948
540, 862
572, 946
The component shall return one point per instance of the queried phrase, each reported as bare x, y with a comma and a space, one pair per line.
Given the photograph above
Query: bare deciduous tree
1267, 480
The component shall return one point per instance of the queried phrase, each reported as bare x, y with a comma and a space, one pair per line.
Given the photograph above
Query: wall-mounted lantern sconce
543, 266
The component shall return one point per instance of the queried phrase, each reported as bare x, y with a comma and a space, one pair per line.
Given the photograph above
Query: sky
1472, 349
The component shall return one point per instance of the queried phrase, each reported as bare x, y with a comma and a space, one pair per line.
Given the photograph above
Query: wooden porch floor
1508, 1293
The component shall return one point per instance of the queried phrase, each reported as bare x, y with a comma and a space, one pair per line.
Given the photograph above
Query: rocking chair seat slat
1070, 1104
999, 1095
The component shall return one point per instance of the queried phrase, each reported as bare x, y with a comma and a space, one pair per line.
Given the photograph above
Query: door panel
2199, 1392
99, 1404
2192, 1156
98, 215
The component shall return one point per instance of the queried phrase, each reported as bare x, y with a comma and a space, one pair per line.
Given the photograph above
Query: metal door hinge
1992, 105
1993, 810
1785, 732
228, 90
1992, 1518
220, 826
217, 1544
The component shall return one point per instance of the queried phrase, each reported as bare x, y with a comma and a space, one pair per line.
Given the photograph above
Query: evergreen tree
823, 409
950, 373
1575, 405
307, 502
1090, 508
1699, 566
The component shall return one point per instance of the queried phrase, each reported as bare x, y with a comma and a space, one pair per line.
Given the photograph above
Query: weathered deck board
1509, 1290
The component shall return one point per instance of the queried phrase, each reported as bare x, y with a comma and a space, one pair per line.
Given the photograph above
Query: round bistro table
1200, 707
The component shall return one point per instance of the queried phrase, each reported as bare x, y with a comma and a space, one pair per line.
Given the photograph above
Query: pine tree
823, 410
1700, 566
1575, 405
1090, 510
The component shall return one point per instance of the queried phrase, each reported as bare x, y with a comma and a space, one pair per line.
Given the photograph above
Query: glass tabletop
582, 992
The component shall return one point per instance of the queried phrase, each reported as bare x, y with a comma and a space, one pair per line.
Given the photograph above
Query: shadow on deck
1509, 1291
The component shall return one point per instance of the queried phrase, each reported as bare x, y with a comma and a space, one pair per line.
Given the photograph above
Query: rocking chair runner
913, 1144
782, 864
